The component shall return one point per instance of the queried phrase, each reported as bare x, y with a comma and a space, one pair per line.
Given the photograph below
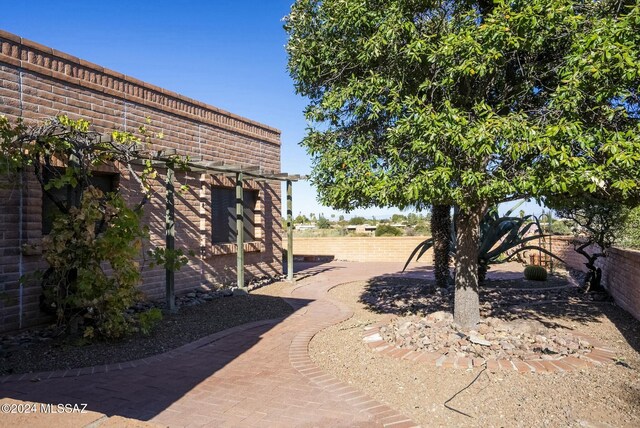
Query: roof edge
32, 56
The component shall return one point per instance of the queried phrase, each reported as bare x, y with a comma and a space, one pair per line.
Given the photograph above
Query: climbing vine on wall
95, 240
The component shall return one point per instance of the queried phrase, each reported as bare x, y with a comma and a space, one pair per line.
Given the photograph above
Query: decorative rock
540, 339
507, 346
483, 328
439, 316
520, 340
479, 340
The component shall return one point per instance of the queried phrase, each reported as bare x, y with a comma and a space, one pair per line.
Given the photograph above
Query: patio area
258, 374
271, 372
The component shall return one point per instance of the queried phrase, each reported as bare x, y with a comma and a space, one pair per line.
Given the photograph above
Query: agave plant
498, 235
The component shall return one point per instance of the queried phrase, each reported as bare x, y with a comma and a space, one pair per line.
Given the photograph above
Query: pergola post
216, 167
170, 233
289, 230
240, 229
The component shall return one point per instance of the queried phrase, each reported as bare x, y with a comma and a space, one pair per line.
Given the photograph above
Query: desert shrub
599, 220
422, 229
356, 221
410, 231
323, 223
387, 230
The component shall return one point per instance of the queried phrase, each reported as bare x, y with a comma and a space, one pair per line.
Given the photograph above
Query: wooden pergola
169, 158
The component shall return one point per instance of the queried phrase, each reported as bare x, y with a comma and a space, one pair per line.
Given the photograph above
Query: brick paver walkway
255, 375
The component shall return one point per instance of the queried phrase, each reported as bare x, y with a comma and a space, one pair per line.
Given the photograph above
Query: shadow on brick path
154, 384
257, 374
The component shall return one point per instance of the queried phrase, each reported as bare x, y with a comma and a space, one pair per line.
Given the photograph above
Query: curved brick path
258, 374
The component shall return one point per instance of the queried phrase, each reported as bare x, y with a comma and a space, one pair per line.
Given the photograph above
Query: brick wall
37, 82
362, 249
621, 269
620, 272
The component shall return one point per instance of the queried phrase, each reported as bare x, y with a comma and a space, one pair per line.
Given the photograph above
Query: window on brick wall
106, 182
223, 215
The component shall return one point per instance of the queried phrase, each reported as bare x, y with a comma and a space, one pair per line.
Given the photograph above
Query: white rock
479, 340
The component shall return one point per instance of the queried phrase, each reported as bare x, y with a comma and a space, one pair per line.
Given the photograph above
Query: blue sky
226, 53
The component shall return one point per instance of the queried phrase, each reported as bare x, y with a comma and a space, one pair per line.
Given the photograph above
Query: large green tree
467, 103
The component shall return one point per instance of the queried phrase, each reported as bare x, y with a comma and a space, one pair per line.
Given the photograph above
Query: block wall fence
37, 82
362, 249
621, 269
620, 272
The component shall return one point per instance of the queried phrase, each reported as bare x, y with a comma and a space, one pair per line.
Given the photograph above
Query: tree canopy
468, 103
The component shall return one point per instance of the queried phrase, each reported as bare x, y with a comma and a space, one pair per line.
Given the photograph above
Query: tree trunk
466, 309
441, 233
593, 279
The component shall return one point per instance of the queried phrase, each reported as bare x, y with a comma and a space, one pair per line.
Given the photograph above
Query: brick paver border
301, 361
599, 355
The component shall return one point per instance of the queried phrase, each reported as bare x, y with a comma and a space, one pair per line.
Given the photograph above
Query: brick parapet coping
45, 61
174, 353
598, 356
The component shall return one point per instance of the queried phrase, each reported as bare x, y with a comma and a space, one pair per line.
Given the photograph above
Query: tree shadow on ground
559, 305
152, 385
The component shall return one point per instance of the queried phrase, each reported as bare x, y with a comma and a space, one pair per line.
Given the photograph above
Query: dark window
104, 181
223, 214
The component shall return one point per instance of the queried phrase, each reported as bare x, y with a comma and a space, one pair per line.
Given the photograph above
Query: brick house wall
37, 82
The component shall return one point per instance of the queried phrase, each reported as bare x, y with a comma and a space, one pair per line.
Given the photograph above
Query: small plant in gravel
148, 320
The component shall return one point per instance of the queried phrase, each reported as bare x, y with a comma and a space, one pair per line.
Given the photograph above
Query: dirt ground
605, 396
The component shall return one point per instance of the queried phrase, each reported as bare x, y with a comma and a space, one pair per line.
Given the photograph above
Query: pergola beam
218, 167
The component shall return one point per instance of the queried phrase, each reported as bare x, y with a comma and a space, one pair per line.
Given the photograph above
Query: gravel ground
189, 324
599, 396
